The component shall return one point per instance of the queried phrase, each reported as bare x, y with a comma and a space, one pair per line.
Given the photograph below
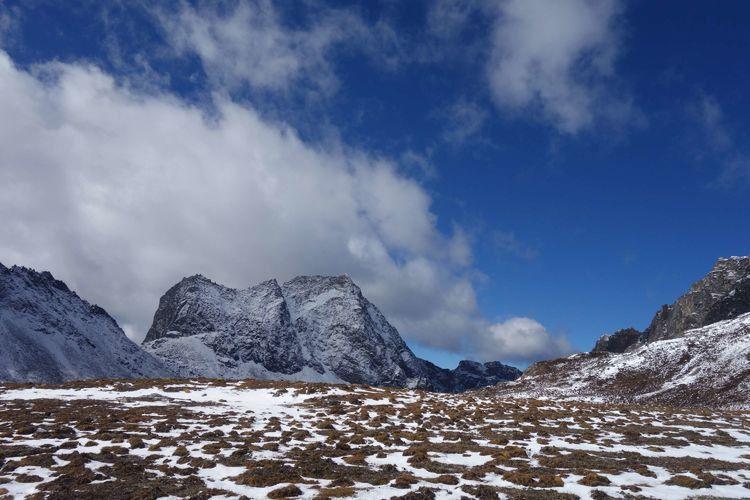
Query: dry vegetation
203, 439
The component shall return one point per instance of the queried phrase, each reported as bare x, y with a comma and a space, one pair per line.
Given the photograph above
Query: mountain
724, 293
312, 328
49, 334
705, 366
695, 351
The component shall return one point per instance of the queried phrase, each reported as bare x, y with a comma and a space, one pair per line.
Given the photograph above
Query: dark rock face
723, 294
620, 341
472, 375
196, 305
49, 334
313, 328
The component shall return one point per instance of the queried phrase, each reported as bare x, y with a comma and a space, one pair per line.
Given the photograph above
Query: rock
695, 352
620, 341
724, 293
311, 328
49, 334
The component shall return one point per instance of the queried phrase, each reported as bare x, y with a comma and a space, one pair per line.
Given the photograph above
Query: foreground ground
203, 439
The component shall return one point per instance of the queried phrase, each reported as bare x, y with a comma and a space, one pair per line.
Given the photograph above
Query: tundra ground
252, 439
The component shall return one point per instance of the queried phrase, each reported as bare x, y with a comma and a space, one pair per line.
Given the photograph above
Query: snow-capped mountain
695, 351
705, 366
49, 334
724, 293
312, 328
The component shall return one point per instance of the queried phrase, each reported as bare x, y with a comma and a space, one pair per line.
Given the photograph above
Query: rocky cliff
49, 334
724, 293
313, 328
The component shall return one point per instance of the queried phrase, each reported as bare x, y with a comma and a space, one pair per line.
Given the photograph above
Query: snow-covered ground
167, 439
705, 366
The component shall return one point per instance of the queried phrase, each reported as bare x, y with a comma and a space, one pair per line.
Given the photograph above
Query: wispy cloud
734, 161
251, 44
463, 120
508, 242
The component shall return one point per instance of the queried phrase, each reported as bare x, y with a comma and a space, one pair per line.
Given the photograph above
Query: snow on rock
312, 328
724, 293
49, 334
705, 366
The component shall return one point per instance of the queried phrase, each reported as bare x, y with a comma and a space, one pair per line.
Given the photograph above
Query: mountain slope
724, 293
312, 328
49, 334
705, 366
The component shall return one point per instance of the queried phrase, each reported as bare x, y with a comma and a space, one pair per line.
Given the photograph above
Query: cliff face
312, 328
49, 334
724, 293
707, 366
695, 351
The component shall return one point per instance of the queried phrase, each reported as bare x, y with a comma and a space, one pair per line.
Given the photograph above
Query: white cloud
557, 58
121, 194
521, 339
250, 43
734, 161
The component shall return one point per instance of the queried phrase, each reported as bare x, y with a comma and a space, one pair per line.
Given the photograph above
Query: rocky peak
473, 375
723, 294
619, 341
704, 304
313, 328
49, 334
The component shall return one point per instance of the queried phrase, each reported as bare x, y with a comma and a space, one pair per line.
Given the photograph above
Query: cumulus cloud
557, 59
121, 194
523, 340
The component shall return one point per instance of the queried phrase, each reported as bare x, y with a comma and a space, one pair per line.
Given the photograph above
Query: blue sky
517, 178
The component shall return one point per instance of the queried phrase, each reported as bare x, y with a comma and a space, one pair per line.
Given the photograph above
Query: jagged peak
197, 277
36, 277
272, 283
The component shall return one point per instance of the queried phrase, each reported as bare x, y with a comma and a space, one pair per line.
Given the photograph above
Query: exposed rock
724, 293
312, 328
705, 366
619, 341
472, 375
49, 334
695, 351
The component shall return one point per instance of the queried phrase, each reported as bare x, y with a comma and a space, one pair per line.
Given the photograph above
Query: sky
506, 180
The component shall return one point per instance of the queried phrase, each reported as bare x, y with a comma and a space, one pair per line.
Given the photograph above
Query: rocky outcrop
724, 293
311, 328
695, 351
620, 341
707, 366
472, 374
49, 334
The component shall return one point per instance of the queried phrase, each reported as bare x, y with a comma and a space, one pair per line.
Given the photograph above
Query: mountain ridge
723, 293
50, 334
318, 328
695, 351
